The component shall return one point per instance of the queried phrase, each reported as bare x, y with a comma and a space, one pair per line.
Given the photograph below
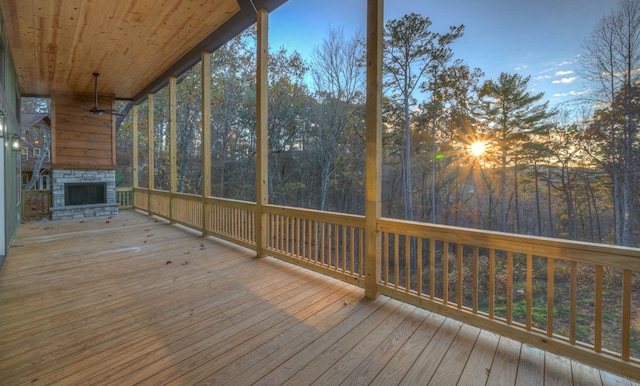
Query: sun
477, 148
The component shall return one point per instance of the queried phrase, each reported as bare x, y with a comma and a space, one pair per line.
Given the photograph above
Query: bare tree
37, 167
337, 73
611, 63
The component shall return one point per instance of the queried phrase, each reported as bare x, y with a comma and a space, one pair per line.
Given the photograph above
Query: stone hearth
62, 177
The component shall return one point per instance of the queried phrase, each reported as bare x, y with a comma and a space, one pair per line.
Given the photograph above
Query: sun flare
477, 148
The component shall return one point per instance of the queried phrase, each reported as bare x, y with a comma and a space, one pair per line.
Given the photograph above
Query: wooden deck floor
131, 299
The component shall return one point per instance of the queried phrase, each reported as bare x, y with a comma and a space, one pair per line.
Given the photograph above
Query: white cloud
523, 67
556, 66
563, 73
543, 77
570, 93
564, 80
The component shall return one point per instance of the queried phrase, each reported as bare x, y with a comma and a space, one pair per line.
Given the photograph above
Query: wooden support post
173, 144
151, 140
373, 143
262, 148
205, 59
134, 142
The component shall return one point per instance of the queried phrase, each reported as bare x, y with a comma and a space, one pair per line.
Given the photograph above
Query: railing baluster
352, 245
336, 246
328, 244
314, 241
344, 248
238, 223
626, 314
280, 229
323, 243
445, 272
475, 279
273, 241
550, 294
247, 225
509, 287
407, 263
361, 253
299, 238
460, 273
292, 236
597, 318
304, 240
432, 268
385, 256
396, 259
492, 282
529, 290
419, 241
573, 284
286, 247
241, 224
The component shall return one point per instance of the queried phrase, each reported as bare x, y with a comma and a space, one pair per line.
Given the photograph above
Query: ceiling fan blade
113, 112
95, 88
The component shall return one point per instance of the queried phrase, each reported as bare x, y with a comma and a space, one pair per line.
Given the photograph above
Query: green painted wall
10, 106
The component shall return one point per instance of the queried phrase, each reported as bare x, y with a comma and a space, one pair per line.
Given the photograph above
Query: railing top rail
591, 253
231, 202
316, 215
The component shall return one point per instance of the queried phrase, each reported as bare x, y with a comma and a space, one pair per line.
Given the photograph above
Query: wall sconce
15, 142
1, 124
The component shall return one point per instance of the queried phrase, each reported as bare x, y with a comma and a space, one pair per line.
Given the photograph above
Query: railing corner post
373, 144
262, 111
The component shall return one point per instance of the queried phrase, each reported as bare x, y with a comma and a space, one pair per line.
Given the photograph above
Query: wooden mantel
80, 140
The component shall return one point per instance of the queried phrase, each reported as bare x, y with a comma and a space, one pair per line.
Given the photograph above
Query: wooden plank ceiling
133, 44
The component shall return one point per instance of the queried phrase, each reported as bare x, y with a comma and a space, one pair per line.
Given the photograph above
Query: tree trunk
515, 191
571, 215
537, 188
38, 164
549, 203
408, 196
503, 192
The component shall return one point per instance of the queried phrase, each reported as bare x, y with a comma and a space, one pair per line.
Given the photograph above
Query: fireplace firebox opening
85, 193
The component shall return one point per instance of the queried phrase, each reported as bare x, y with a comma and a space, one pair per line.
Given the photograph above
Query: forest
458, 149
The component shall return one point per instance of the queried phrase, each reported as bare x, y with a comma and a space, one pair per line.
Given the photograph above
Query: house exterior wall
35, 143
32, 142
10, 177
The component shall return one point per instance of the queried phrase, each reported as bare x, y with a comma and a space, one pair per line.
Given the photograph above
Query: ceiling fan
95, 110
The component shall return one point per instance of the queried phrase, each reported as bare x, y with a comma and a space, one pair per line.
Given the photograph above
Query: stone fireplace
80, 193
83, 158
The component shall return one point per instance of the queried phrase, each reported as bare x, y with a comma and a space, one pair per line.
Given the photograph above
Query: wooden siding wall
81, 140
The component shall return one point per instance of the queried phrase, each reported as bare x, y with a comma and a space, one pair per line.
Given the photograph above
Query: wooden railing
124, 197
227, 219
330, 243
36, 204
187, 210
231, 220
576, 299
141, 199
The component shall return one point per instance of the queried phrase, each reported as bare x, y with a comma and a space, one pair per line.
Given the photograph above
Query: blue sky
540, 38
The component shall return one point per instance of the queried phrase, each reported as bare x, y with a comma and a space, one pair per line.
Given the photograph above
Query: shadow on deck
131, 299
